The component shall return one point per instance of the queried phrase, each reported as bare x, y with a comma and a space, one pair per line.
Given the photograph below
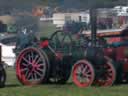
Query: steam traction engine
51, 60
48, 60
112, 47
95, 68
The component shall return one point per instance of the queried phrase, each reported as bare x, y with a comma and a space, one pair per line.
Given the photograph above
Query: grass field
14, 88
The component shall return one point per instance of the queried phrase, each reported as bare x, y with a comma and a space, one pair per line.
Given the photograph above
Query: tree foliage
85, 3
8, 5
63, 3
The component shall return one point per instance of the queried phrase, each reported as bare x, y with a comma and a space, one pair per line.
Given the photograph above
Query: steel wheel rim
109, 76
31, 66
87, 71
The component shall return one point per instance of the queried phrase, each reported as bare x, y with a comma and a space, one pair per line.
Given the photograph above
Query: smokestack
93, 19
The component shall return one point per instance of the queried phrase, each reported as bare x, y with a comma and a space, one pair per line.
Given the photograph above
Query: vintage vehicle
7, 42
2, 72
51, 60
91, 65
95, 68
48, 60
114, 50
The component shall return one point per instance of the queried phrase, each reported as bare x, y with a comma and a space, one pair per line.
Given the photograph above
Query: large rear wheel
32, 66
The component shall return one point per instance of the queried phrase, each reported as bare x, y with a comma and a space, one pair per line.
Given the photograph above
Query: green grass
14, 88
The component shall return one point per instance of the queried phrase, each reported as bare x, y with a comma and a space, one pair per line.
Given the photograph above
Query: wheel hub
30, 67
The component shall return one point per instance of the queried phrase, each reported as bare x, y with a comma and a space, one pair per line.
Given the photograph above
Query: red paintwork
121, 56
115, 39
44, 44
109, 52
118, 53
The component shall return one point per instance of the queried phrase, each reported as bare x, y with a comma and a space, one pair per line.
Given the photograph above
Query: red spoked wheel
32, 66
83, 73
108, 76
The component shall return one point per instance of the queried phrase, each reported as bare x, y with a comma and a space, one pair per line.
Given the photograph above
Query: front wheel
83, 73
